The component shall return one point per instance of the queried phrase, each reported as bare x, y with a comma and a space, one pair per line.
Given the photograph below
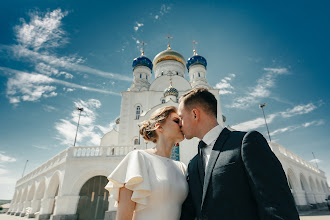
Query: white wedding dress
158, 183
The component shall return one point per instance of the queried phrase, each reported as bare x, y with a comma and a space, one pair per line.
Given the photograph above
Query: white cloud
316, 161
5, 159
261, 90
49, 108
31, 86
43, 31
254, 124
164, 9
156, 17
294, 127
68, 89
316, 123
225, 86
41, 147
89, 132
137, 26
51, 71
259, 122
67, 63
282, 130
299, 110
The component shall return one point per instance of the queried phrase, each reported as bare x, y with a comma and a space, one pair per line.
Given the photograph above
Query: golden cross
143, 43
169, 41
194, 43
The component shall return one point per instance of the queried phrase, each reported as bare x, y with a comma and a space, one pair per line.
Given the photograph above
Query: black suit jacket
244, 181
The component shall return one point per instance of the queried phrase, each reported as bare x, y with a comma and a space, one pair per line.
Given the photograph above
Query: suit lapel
213, 158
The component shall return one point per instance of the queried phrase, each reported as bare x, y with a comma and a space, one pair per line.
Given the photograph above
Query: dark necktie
201, 166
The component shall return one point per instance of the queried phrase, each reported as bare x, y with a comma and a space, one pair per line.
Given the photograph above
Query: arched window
199, 74
163, 101
146, 76
177, 73
136, 141
138, 108
140, 75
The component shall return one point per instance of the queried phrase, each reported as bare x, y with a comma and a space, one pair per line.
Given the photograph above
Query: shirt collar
212, 135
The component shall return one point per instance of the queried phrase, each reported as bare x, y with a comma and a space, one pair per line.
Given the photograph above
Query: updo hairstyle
147, 127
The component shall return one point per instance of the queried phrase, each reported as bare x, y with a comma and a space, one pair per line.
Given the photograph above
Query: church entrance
93, 201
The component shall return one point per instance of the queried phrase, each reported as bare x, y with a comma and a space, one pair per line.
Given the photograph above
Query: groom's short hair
200, 97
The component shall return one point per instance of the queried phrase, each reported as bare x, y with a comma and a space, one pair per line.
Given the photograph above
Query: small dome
142, 61
168, 55
171, 91
196, 59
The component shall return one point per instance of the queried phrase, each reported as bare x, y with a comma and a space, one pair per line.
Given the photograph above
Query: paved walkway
310, 215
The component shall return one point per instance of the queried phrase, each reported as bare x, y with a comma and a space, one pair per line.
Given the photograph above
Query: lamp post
80, 110
24, 167
146, 144
262, 108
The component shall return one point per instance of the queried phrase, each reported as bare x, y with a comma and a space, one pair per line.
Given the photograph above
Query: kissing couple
234, 176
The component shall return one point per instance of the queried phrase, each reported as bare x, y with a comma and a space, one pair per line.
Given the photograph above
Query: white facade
57, 187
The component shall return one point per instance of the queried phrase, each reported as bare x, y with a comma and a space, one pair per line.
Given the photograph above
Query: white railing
295, 158
54, 161
77, 152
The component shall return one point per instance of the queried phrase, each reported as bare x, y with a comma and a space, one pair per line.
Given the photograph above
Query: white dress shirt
209, 139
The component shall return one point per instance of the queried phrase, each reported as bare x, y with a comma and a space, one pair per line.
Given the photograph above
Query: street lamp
80, 110
262, 108
24, 167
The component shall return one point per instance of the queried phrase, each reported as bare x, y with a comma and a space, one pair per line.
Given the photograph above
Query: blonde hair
147, 127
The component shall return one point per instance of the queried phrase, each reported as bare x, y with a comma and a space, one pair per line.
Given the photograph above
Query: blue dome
142, 61
171, 91
197, 59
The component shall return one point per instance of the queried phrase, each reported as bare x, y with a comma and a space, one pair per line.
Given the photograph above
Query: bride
147, 184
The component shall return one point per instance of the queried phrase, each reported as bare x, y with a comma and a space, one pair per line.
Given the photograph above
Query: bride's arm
125, 205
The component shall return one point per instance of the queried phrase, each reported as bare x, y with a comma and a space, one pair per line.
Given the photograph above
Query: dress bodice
158, 183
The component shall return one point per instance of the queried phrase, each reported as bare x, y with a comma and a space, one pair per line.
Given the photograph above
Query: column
46, 208
66, 207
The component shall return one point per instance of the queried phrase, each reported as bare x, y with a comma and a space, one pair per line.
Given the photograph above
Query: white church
71, 184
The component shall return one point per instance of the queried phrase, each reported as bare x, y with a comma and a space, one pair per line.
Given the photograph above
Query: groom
235, 175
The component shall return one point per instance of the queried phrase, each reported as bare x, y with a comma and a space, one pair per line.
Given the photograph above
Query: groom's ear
196, 114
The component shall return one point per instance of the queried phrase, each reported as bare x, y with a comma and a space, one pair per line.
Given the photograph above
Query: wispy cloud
316, 161
225, 86
41, 147
49, 108
67, 63
137, 26
89, 132
254, 124
298, 110
164, 9
5, 159
43, 30
261, 90
294, 127
31, 86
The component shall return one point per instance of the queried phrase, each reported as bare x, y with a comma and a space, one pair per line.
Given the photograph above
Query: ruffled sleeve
133, 174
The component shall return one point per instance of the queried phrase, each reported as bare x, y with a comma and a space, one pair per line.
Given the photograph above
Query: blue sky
56, 55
